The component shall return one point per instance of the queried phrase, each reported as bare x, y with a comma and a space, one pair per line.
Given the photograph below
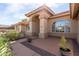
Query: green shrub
4, 47
12, 35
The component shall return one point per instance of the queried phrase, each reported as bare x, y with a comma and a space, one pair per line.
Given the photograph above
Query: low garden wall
67, 35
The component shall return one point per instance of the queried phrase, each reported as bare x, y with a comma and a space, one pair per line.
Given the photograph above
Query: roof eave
61, 14
38, 9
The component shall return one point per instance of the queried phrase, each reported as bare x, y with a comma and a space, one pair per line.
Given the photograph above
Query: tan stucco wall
18, 28
38, 23
45, 24
73, 29
34, 25
78, 29
46, 28
44, 15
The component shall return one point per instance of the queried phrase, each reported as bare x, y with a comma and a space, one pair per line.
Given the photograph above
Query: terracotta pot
64, 52
29, 40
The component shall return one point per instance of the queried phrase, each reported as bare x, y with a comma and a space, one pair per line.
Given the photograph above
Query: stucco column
78, 30
43, 26
73, 28
30, 25
20, 28
15, 28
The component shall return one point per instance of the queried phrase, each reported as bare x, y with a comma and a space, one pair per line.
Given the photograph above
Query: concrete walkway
21, 50
40, 51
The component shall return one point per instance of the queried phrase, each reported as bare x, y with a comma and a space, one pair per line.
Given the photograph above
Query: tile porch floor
50, 45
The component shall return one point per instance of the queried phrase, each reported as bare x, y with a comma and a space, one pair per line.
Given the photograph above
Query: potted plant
64, 49
29, 40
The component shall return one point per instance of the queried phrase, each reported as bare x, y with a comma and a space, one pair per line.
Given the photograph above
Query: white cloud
15, 7
3, 17
19, 16
39, 1
54, 5
12, 14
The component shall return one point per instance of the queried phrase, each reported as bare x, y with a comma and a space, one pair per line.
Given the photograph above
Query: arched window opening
61, 26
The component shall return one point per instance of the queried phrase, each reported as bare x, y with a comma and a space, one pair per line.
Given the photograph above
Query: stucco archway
35, 25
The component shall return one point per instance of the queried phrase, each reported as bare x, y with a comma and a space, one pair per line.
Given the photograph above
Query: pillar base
43, 35
78, 38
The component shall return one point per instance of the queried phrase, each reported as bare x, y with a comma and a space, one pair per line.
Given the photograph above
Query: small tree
63, 43
64, 47
12, 35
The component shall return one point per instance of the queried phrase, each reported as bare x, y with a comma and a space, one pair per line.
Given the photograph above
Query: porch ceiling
74, 8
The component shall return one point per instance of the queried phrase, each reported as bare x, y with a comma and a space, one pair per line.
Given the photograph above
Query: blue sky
11, 13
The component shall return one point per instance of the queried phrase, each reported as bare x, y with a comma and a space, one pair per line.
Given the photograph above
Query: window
61, 26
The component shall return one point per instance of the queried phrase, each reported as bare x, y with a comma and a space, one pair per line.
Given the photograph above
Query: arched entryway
35, 25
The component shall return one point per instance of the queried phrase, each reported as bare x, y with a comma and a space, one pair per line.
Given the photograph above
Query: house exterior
43, 19
74, 10
20, 26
